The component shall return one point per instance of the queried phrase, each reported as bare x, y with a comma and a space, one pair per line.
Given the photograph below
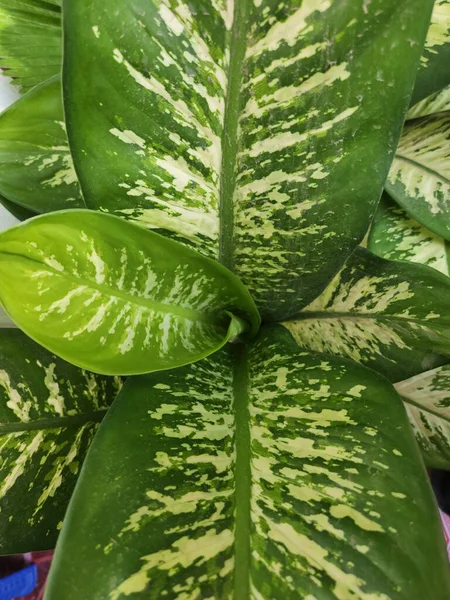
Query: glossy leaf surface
391, 316
396, 236
205, 119
49, 413
419, 179
434, 72
36, 168
427, 400
312, 454
30, 40
112, 297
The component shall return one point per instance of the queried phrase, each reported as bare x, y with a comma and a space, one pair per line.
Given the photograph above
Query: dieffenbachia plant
49, 413
419, 179
30, 40
232, 156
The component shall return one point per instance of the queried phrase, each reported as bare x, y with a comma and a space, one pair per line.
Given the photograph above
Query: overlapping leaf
419, 179
305, 488
49, 413
391, 316
436, 103
112, 297
30, 40
36, 168
205, 120
395, 236
16, 210
434, 72
427, 401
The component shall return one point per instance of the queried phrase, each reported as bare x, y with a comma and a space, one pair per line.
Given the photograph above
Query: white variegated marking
27, 450
19, 406
289, 31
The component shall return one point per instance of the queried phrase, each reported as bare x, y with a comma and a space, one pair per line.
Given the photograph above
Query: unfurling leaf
231, 125
36, 168
277, 475
117, 299
49, 413
391, 316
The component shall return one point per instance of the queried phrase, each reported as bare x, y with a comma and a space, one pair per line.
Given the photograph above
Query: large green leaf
391, 316
427, 400
36, 168
301, 481
231, 125
419, 179
434, 72
435, 103
30, 40
115, 298
395, 236
49, 413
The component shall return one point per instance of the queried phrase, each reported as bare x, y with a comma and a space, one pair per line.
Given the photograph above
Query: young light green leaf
395, 236
434, 72
299, 478
204, 117
36, 168
30, 40
117, 299
436, 103
427, 400
391, 316
419, 179
49, 413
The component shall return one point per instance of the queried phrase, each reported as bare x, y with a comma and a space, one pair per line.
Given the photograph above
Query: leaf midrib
242, 532
184, 313
304, 316
54, 422
423, 167
242, 542
424, 409
230, 132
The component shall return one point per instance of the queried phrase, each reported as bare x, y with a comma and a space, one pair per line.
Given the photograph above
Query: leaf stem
242, 474
230, 132
54, 422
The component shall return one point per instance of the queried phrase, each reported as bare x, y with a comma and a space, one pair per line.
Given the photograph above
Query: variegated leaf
419, 179
49, 413
296, 478
436, 103
434, 71
427, 401
231, 125
395, 236
36, 168
115, 298
30, 40
391, 316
